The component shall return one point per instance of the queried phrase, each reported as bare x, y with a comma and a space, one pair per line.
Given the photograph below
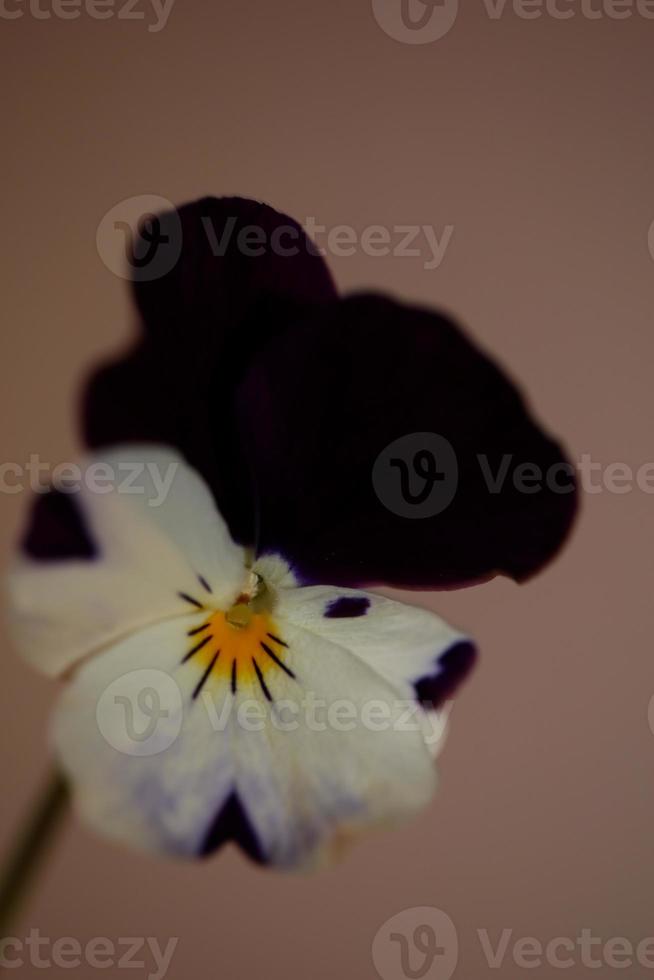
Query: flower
270, 399
169, 593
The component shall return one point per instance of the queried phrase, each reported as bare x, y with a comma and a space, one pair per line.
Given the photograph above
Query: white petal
404, 643
159, 537
168, 493
340, 753
316, 749
146, 764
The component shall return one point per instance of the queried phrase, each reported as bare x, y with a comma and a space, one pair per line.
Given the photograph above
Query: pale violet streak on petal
306, 784
326, 766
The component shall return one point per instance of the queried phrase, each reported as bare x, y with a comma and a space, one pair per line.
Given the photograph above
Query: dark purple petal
56, 529
321, 406
201, 322
347, 607
450, 670
234, 252
354, 444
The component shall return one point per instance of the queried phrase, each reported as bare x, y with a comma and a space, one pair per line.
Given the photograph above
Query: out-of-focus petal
320, 407
300, 749
424, 658
200, 325
144, 760
344, 753
234, 253
140, 541
414, 649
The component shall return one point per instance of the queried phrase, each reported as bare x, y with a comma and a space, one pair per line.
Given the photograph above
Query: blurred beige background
533, 138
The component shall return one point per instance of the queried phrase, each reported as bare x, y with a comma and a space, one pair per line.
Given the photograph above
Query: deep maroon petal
319, 410
201, 324
233, 252
365, 435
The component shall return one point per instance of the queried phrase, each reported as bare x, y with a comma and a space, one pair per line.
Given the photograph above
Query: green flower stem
30, 849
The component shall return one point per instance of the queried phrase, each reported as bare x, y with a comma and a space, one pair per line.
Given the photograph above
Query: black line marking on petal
197, 647
277, 640
188, 598
273, 656
203, 680
261, 680
199, 629
234, 676
203, 582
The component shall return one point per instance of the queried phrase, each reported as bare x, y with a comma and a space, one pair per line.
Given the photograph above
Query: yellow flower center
238, 648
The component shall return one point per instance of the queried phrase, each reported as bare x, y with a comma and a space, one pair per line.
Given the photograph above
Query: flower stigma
241, 645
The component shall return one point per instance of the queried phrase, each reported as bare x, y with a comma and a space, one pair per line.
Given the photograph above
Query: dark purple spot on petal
56, 530
452, 667
232, 823
347, 607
